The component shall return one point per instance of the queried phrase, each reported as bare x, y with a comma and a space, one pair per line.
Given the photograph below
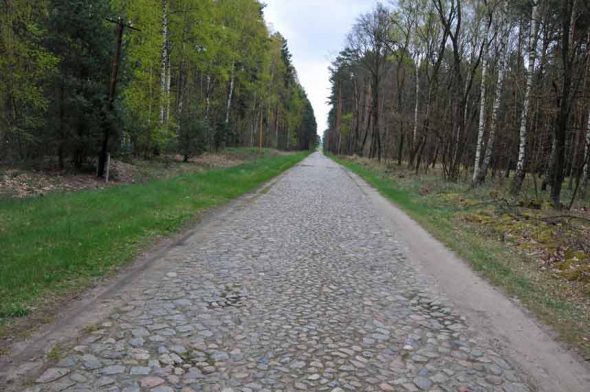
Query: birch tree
524, 116
467, 132
501, 54
482, 116
165, 77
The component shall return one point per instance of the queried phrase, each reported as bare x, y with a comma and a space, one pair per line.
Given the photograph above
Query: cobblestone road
305, 289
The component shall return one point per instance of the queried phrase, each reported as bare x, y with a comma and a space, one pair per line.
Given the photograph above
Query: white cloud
316, 31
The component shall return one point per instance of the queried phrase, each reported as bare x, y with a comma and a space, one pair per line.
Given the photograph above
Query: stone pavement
304, 289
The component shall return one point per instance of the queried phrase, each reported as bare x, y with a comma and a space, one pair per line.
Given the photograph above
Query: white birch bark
482, 114
503, 50
417, 100
524, 117
229, 95
165, 67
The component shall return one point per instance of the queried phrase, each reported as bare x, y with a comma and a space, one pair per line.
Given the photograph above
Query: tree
25, 70
524, 116
571, 61
82, 39
530, 62
200, 74
501, 54
369, 43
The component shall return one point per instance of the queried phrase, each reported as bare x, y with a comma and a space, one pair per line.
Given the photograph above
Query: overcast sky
316, 31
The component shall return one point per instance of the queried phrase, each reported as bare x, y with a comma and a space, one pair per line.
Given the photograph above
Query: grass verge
443, 209
57, 245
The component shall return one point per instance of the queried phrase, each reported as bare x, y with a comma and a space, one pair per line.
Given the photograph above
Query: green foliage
25, 68
141, 96
83, 41
192, 137
218, 65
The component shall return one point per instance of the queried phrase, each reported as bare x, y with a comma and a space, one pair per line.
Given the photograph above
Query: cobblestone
305, 289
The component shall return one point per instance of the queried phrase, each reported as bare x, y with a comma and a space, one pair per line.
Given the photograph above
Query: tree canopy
475, 87
194, 75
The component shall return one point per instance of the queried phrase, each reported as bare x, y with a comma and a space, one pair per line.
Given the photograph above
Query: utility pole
104, 152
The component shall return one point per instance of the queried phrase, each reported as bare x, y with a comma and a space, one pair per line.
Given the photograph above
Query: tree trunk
230, 94
165, 67
366, 119
586, 170
524, 116
482, 117
415, 146
62, 134
339, 119
417, 99
565, 105
400, 150
487, 158
277, 127
376, 136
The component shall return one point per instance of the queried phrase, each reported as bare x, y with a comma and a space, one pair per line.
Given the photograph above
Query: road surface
304, 287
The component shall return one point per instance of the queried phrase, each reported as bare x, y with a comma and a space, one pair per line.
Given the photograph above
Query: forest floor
42, 178
56, 246
536, 254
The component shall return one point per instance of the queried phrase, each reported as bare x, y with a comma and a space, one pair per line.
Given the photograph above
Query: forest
80, 80
478, 89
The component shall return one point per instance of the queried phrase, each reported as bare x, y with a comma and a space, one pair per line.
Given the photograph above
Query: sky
316, 31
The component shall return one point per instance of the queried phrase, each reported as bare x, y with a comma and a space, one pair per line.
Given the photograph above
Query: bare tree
573, 62
524, 116
482, 118
369, 43
502, 54
526, 112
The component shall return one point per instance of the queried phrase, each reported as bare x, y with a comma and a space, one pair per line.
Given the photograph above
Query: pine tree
83, 40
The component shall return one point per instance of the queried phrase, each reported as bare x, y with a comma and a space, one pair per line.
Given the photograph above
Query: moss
576, 255
481, 217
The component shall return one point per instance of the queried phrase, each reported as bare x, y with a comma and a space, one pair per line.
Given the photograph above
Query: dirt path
314, 283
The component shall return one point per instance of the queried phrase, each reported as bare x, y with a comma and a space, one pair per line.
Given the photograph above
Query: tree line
81, 78
478, 87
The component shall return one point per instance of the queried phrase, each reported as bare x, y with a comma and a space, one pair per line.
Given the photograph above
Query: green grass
550, 299
58, 244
